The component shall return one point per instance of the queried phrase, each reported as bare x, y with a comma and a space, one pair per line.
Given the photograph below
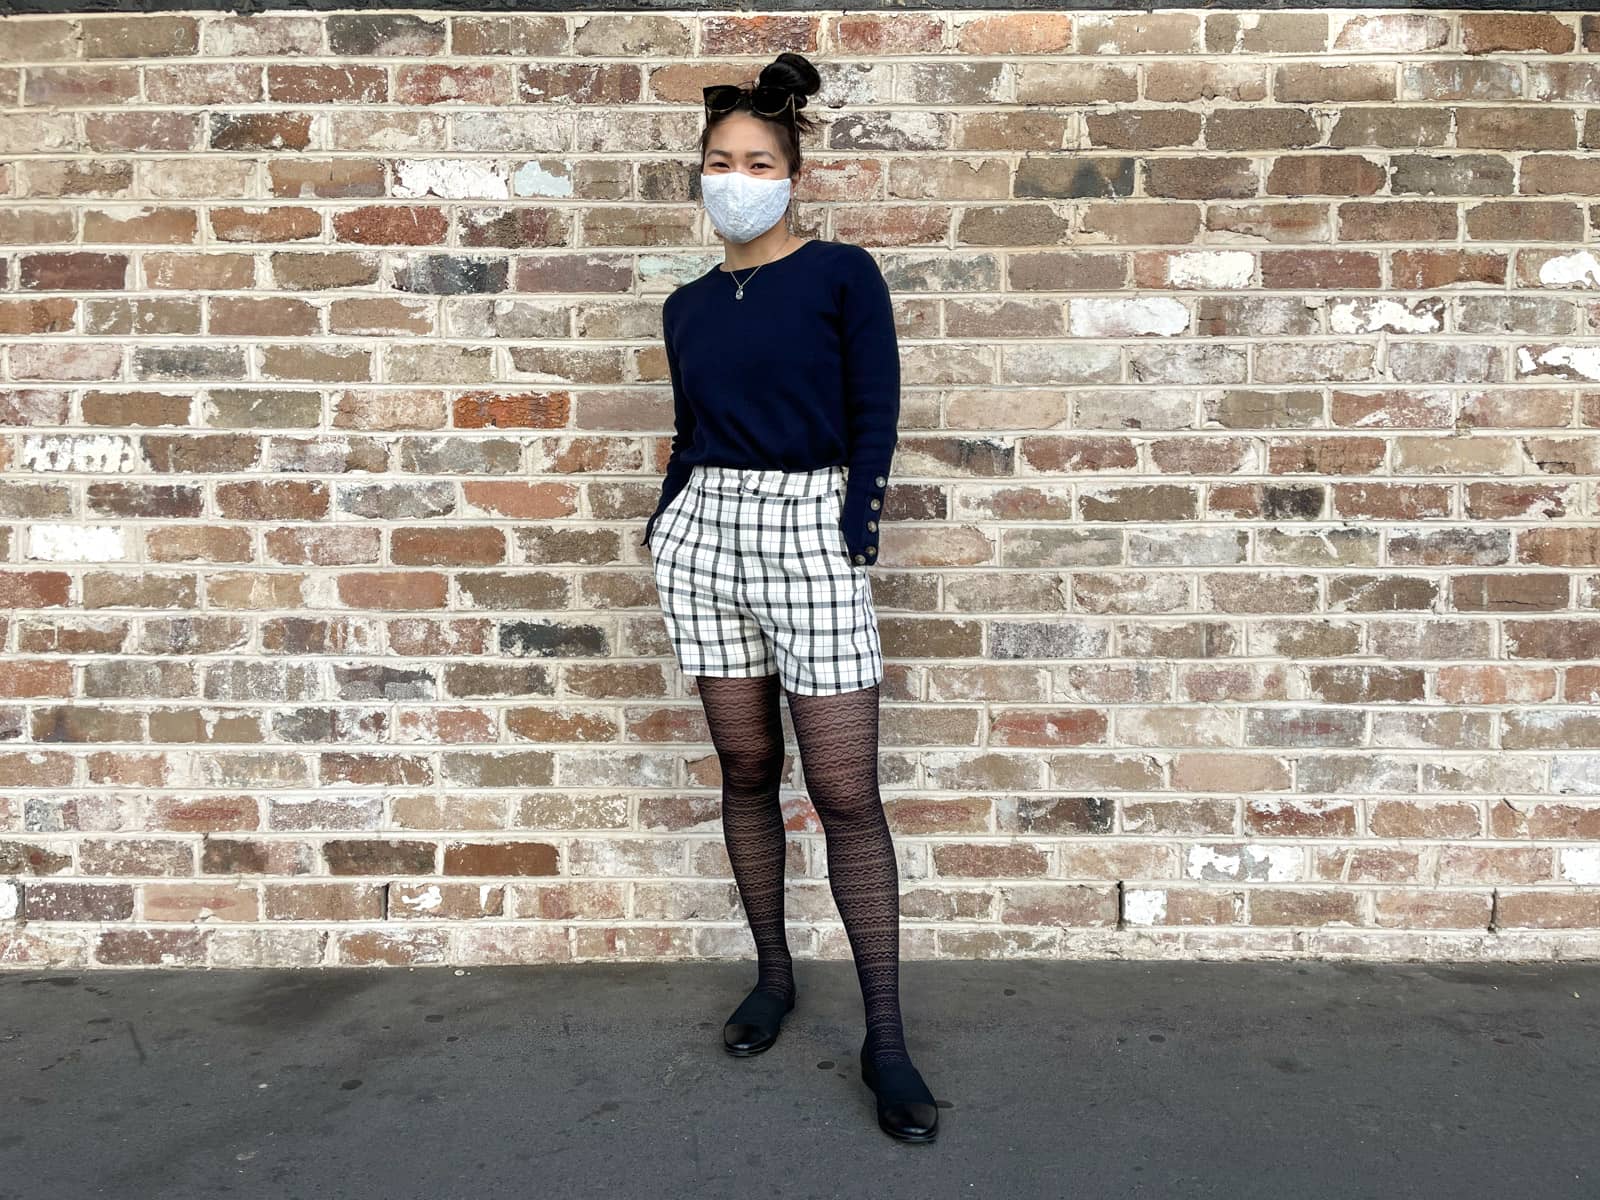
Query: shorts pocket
661, 519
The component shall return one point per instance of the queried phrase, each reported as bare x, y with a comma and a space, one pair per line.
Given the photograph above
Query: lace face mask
741, 206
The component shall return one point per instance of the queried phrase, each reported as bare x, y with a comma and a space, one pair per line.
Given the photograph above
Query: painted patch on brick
91, 453
77, 543
1144, 906
1578, 269
1581, 864
450, 179
1565, 362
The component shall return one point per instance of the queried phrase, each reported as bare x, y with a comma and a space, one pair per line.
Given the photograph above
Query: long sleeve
872, 382
677, 474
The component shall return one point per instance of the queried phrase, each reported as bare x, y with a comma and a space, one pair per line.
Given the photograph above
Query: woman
786, 388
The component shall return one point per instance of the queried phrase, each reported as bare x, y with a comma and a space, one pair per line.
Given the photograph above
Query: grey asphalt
1056, 1079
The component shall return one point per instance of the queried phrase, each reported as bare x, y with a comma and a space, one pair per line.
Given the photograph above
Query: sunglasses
764, 99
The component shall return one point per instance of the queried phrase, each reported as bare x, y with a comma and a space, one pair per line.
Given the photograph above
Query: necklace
738, 287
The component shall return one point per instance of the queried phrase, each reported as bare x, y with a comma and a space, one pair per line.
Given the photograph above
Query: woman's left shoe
906, 1108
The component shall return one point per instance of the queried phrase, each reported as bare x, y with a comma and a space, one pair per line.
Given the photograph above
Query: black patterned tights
838, 740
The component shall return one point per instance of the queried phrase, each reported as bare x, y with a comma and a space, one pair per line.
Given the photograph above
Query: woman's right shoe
906, 1108
754, 1025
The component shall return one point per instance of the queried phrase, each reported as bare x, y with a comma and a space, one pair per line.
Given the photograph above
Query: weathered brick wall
1241, 575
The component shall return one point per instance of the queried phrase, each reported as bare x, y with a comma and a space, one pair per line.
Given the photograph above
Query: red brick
1240, 593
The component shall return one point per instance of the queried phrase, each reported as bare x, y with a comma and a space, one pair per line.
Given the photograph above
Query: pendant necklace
738, 288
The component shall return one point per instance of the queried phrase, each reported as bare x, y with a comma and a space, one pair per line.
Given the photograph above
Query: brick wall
1241, 571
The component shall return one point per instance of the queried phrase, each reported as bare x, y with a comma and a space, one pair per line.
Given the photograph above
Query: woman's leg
747, 731
838, 737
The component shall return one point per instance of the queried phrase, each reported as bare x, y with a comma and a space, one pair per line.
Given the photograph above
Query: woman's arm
872, 382
683, 434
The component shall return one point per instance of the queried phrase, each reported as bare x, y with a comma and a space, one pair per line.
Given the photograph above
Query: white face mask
741, 206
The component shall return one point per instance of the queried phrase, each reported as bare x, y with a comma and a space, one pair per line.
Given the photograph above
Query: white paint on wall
1575, 773
77, 543
1126, 318
1259, 864
450, 179
534, 179
1144, 906
1564, 270
1371, 316
1582, 361
1581, 864
428, 899
96, 453
1212, 269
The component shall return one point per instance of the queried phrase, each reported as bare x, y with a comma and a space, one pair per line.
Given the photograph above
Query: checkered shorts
755, 577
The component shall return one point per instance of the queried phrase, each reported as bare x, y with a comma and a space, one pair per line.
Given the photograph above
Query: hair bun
794, 74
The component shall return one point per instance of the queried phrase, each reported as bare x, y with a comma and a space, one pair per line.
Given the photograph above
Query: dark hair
794, 73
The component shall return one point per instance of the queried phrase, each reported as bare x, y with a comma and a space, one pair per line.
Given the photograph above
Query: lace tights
838, 740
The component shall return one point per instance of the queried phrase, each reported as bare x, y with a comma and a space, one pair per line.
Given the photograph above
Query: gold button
874, 504
872, 527
882, 481
859, 559
872, 549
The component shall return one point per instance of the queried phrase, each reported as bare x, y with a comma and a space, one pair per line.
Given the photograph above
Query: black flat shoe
754, 1024
906, 1108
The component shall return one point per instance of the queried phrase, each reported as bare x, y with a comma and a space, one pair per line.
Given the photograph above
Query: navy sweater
804, 372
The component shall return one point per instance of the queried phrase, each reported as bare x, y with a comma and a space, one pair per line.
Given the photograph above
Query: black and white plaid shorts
755, 577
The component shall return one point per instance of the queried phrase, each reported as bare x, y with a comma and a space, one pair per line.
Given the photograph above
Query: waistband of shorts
768, 481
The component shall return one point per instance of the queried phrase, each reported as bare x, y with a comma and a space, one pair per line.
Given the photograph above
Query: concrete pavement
1060, 1079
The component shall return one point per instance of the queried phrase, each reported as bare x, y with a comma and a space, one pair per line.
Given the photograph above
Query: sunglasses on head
764, 99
